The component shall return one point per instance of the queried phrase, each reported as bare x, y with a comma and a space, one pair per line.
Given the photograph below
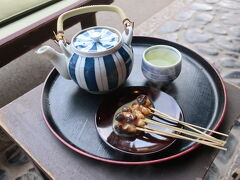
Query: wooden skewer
190, 127
180, 137
184, 131
185, 123
207, 142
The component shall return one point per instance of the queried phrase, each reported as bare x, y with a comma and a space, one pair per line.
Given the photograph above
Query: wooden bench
26, 33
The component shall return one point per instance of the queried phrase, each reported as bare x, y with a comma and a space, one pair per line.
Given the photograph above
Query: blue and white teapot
99, 59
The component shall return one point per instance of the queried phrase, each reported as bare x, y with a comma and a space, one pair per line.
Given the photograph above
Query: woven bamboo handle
88, 9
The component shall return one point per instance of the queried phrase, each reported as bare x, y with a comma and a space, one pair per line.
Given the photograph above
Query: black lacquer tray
70, 112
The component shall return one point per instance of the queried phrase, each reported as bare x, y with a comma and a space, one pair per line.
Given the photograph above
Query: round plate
70, 112
144, 143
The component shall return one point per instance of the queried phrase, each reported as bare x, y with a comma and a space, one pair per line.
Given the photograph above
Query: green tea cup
161, 63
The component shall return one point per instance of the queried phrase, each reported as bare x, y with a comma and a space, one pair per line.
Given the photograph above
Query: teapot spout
58, 60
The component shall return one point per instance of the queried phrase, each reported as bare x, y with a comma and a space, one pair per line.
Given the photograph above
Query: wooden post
89, 20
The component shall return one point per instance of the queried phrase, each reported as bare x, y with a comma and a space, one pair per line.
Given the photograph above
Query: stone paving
214, 31
14, 163
210, 27
227, 162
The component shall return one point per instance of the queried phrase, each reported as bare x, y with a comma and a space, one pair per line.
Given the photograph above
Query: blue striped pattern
96, 74
126, 58
111, 71
89, 74
72, 66
87, 41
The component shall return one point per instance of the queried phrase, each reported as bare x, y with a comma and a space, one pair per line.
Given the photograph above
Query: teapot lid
96, 40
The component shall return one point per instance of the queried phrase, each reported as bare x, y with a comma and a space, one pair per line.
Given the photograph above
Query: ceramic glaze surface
161, 63
104, 73
96, 40
100, 59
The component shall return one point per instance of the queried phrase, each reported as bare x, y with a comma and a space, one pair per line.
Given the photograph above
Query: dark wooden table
26, 38
23, 121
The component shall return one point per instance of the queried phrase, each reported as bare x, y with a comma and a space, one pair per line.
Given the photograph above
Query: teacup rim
165, 46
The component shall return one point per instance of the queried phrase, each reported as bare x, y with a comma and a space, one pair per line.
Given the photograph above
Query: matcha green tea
162, 57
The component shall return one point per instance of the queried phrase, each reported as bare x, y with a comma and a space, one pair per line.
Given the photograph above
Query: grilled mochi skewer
131, 116
144, 101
